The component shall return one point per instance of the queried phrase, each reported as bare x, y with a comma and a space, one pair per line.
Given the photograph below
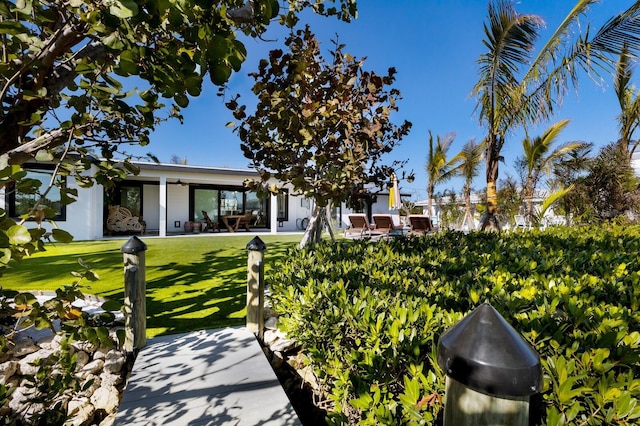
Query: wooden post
491, 371
255, 286
135, 288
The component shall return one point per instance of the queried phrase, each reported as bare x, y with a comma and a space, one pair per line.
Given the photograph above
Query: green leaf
61, 236
220, 73
19, 235
44, 155
123, 9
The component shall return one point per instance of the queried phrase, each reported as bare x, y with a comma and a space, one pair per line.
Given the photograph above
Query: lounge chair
420, 224
360, 227
384, 224
209, 224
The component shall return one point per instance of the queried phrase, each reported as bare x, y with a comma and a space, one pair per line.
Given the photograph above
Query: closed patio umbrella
394, 194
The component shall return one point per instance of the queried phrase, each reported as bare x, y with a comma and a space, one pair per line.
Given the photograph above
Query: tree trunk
313, 233
468, 216
490, 218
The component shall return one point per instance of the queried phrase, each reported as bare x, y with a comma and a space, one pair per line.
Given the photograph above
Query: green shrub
369, 315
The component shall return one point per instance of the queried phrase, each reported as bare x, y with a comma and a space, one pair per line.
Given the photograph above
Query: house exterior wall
165, 203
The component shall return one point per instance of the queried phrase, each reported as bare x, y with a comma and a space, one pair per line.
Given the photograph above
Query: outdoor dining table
231, 227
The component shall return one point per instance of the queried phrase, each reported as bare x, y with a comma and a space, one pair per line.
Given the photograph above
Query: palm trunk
528, 202
490, 218
468, 216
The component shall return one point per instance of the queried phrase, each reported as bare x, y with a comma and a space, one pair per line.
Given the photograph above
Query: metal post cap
487, 354
133, 246
256, 244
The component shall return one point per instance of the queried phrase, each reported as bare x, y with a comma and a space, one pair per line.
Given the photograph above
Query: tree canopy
81, 80
322, 126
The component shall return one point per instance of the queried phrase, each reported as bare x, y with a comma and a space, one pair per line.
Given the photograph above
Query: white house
171, 198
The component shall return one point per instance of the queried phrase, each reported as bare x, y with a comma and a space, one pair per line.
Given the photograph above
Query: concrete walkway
209, 377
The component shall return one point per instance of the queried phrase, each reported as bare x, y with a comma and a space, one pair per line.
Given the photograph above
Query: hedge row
368, 317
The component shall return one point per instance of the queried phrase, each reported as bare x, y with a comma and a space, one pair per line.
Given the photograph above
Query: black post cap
256, 244
487, 354
133, 246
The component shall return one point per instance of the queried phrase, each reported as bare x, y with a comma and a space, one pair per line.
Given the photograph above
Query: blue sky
434, 45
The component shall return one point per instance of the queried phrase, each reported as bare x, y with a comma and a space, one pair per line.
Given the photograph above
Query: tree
68, 72
517, 90
320, 126
611, 185
467, 163
629, 101
439, 169
510, 198
538, 160
567, 172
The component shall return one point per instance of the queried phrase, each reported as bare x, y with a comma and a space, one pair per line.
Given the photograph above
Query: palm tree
438, 168
629, 101
566, 172
517, 90
539, 158
468, 161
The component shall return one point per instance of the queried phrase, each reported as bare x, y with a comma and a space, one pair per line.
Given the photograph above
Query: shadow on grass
182, 295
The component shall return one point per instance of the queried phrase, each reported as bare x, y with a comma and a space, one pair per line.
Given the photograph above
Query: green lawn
192, 282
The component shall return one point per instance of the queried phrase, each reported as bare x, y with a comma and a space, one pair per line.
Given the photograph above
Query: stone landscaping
100, 375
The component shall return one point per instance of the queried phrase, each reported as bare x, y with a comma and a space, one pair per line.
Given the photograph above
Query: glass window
231, 202
258, 209
283, 205
131, 198
207, 200
21, 203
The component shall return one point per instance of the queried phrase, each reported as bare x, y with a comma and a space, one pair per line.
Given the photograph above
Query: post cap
133, 245
256, 244
487, 354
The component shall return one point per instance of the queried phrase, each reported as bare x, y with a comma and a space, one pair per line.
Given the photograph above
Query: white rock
270, 336
101, 353
82, 414
82, 359
271, 323
307, 374
109, 420
26, 367
24, 347
282, 345
75, 404
114, 362
108, 379
106, 398
90, 384
94, 367
19, 402
8, 369
85, 346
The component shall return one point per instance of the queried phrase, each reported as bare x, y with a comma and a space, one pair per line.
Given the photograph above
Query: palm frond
510, 41
552, 199
620, 31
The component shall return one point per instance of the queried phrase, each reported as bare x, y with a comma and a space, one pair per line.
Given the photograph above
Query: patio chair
384, 224
120, 219
420, 224
360, 227
210, 225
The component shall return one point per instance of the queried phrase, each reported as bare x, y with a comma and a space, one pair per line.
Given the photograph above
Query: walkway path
209, 377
